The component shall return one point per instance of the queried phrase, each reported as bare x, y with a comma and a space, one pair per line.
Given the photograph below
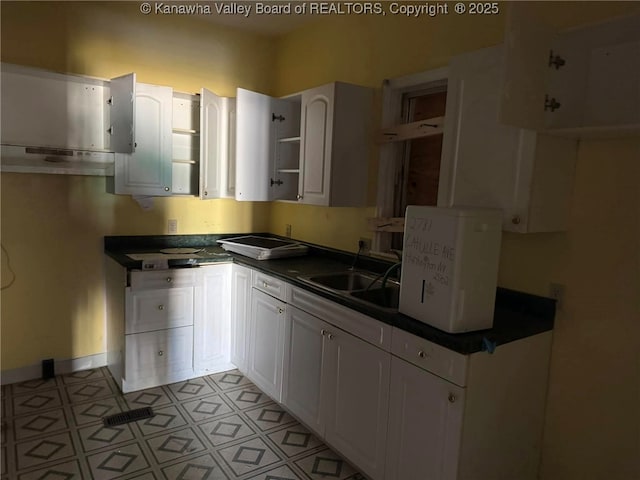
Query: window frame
391, 154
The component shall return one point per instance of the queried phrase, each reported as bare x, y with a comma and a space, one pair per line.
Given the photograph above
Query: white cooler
450, 266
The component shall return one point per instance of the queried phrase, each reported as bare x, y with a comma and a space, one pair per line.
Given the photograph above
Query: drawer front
173, 277
441, 361
159, 355
269, 285
356, 323
149, 310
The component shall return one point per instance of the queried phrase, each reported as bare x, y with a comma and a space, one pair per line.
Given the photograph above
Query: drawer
269, 285
362, 326
174, 277
441, 361
159, 357
149, 310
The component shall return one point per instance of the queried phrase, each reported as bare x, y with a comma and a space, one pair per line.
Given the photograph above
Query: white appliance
450, 266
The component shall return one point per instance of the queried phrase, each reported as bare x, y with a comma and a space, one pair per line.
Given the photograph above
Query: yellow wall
52, 226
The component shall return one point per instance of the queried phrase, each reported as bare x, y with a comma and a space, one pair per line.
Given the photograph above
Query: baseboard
31, 372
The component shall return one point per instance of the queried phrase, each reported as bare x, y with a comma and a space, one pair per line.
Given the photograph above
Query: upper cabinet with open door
580, 82
485, 163
267, 147
312, 147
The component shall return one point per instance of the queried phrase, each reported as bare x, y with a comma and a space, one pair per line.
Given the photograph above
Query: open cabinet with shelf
311, 147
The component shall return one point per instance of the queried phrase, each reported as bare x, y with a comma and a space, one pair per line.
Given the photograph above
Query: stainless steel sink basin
342, 281
387, 297
362, 287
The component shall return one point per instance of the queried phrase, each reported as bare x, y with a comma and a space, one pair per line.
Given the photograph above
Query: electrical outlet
288, 230
172, 225
364, 244
557, 292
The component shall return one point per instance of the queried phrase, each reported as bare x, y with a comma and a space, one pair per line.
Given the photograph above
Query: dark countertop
517, 315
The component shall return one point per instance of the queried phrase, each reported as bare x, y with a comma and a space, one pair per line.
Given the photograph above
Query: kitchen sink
342, 281
387, 297
362, 287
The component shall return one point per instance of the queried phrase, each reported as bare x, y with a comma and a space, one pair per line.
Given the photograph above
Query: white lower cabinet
336, 383
266, 343
212, 324
358, 401
240, 314
157, 358
425, 420
305, 367
166, 326
485, 426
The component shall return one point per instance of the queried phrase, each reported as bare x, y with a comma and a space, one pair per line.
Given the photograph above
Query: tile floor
215, 427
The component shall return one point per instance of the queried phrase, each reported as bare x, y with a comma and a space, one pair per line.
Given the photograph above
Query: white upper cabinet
312, 147
489, 164
148, 170
266, 128
581, 82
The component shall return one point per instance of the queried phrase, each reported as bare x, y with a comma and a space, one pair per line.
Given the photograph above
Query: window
409, 170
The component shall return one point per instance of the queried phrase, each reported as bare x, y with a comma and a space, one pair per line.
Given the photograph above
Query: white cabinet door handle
330, 336
323, 332
160, 353
160, 307
452, 398
169, 279
421, 354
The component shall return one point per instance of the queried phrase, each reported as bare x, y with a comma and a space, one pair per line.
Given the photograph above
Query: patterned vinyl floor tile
217, 427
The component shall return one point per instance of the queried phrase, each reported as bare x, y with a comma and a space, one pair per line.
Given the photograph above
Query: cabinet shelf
289, 140
185, 131
187, 162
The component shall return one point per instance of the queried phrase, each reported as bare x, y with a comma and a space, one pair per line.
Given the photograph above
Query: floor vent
127, 417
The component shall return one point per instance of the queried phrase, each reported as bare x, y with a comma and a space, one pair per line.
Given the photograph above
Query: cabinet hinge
555, 60
275, 117
551, 104
276, 182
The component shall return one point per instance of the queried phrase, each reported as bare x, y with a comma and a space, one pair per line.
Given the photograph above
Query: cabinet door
123, 107
230, 184
425, 423
266, 343
358, 401
212, 336
488, 164
527, 45
478, 153
240, 311
254, 152
304, 367
316, 139
148, 170
260, 121
158, 358
213, 138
